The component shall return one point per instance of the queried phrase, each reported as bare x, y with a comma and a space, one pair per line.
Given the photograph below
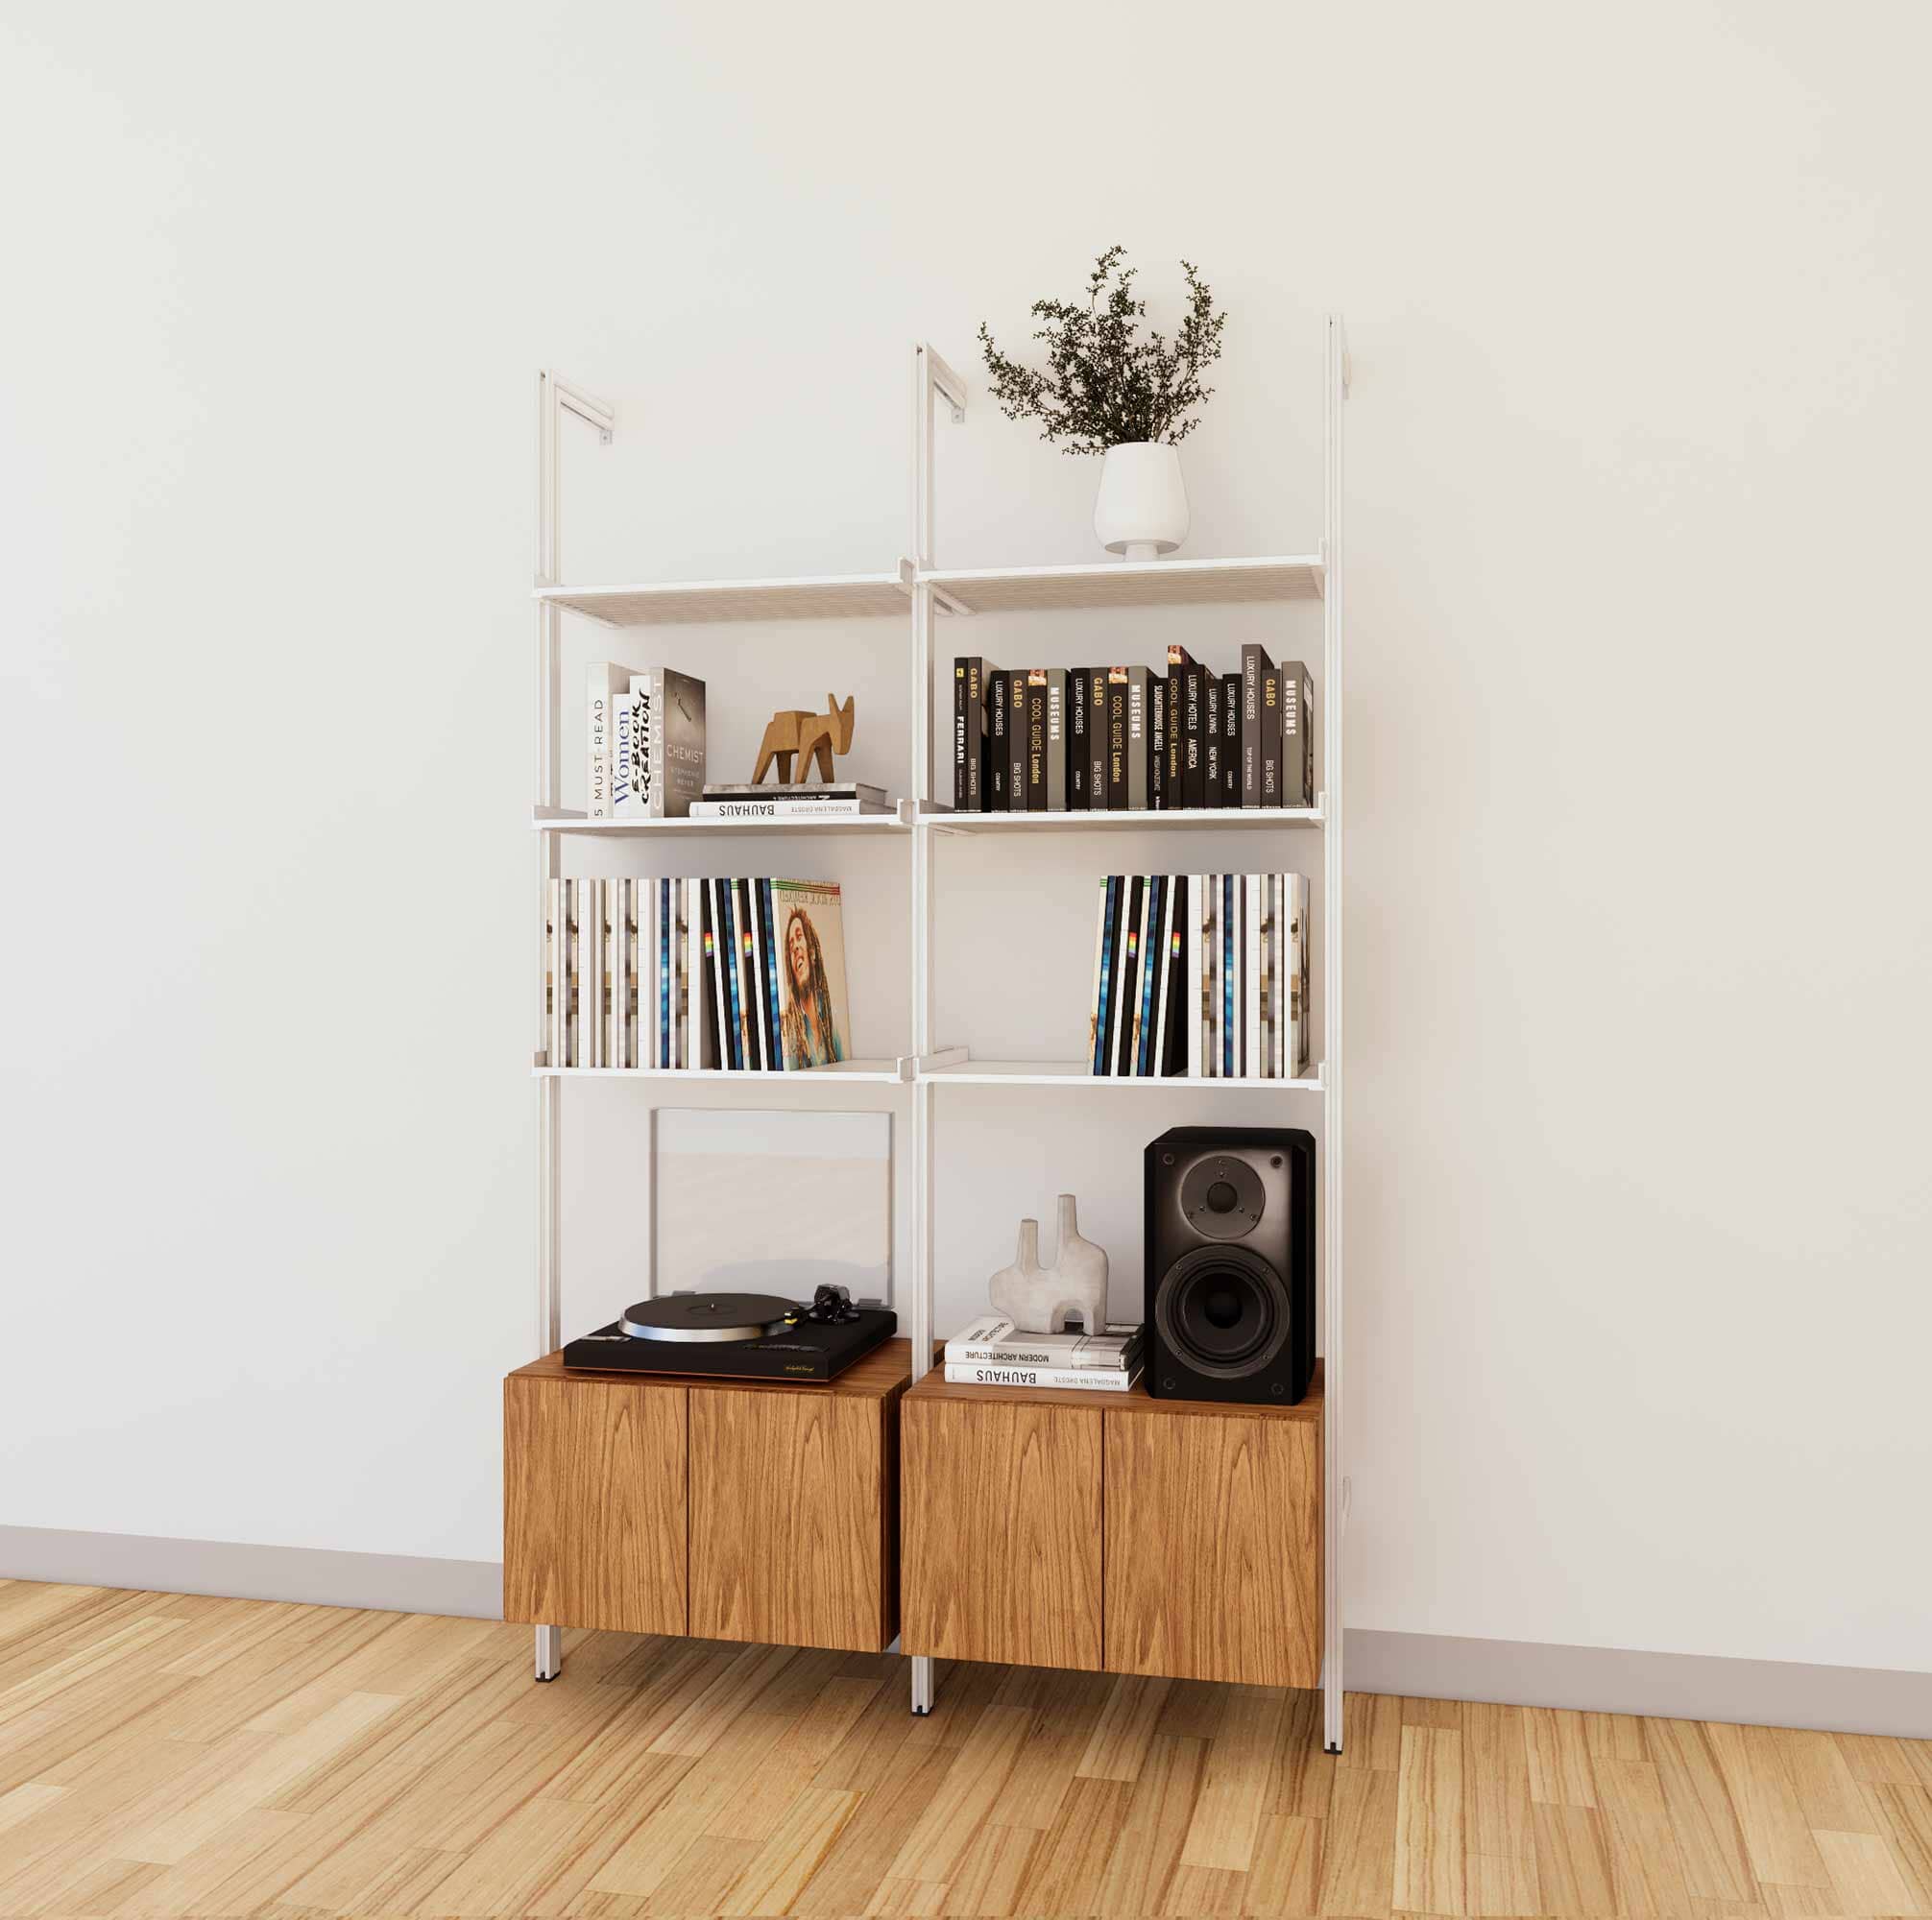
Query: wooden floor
161, 1755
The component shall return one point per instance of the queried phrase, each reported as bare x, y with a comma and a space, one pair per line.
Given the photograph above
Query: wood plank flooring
165, 1756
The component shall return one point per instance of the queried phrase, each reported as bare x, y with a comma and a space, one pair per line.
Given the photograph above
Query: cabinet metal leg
549, 1652
922, 1683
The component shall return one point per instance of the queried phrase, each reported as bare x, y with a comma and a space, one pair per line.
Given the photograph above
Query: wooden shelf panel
1208, 819
1122, 583
829, 596
1075, 1073
934, 1385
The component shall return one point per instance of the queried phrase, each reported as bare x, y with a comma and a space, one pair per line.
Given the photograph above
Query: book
1079, 695
1298, 736
608, 685
1170, 972
1153, 947
1250, 975
993, 1339
698, 1045
1118, 680
574, 977
1270, 899
998, 763
1173, 1053
815, 1022
1097, 1015
1270, 736
769, 919
1157, 741
668, 744
1128, 977
1178, 660
1097, 737
1210, 976
1140, 738
1255, 663
1210, 736
1229, 942
969, 733
610, 938
1016, 743
1193, 1005
553, 996
1194, 727
796, 790
1076, 1379
1299, 1025
786, 809
751, 969
1230, 739
1036, 740
1057, 739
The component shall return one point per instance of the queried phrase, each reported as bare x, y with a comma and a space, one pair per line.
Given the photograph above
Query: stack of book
1085, 739
991, 1352
658, 975
797, 800
646, 742
1202, 976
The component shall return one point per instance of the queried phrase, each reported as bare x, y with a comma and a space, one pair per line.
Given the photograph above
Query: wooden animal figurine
804, 737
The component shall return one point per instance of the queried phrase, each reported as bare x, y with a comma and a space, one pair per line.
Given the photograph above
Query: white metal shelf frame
919, 585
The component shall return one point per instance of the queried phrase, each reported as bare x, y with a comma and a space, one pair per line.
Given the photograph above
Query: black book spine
1078, 696
1140, 739
1129, 971
959, 734
1194, 767
1270, 736
975, 800
1186, 911
1211, 780
995, 765
1117, 738
1157, 742
1176, 661
1057, 753
1096, 739
1254, 663
1016, 743
1230, 739
1036, 740
1103, 985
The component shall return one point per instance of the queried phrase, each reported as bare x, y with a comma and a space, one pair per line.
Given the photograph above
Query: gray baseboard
1672, 1686
393, 1582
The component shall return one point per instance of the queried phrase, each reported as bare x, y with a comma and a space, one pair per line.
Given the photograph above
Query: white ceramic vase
1044, 1299
1140, 511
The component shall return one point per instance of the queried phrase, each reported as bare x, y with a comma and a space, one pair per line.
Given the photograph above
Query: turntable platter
709, 1316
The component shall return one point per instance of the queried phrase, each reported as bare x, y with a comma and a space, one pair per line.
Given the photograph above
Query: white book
639, 898
662, 956
1117, 1349
785, 810
1283, 905
616, 1031
646, 729
573, 1051
1211, 1043
553, 977
1074, 1380
608, 685
632, 974
590, 972
1193, 1007
1250, 974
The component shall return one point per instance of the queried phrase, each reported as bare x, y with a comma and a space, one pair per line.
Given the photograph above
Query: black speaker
1230, 1241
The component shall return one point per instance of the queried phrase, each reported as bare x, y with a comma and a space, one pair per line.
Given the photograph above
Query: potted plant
1108, 389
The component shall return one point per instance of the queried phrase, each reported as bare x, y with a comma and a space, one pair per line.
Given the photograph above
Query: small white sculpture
1043, 1300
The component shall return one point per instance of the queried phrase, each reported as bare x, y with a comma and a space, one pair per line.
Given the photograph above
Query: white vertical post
1335, 1482
554, 396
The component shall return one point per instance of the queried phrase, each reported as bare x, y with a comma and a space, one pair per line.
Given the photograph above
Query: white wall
1638, 1195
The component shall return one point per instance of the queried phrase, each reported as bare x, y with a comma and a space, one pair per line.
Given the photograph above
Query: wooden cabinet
1117, 1531
1002, 1532
727, 1509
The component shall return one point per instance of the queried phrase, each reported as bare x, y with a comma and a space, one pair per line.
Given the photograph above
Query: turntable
737, 1336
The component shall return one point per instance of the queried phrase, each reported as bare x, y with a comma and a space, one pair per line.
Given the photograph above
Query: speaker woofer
1224, 1311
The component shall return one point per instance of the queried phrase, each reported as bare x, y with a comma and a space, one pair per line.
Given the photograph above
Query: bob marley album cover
814, 1023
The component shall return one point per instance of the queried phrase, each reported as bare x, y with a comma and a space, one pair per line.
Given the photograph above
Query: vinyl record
709, 1316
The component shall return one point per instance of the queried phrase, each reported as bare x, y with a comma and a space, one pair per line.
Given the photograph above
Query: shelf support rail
1334, 1489
931, 379
555, 398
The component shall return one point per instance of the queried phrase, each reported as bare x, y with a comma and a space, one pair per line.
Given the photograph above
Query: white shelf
1077, 1074
1202, 818
880, 1073
563, 821
828, 596
1125, 583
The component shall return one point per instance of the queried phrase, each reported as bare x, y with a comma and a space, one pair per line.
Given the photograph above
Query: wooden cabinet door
791, 1518
1214, 1548
593, 1504
1003, 1532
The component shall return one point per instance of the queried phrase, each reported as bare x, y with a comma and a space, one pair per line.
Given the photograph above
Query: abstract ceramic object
1044, 1299
1140, 511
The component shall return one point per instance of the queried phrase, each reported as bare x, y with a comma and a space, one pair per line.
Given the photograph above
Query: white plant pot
1141, 509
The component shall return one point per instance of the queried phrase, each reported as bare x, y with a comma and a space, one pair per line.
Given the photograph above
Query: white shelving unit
917, 587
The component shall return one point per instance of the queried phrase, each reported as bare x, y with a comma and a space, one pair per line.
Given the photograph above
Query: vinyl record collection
734, 975
1201, 976
1084, 739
